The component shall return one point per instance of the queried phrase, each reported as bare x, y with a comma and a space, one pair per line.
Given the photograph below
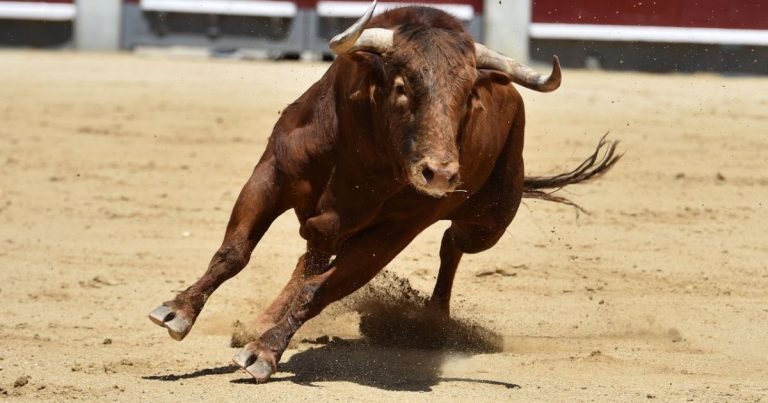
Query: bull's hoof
259, 364
173, 320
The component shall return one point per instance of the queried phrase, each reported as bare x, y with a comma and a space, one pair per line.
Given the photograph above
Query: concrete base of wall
42, 34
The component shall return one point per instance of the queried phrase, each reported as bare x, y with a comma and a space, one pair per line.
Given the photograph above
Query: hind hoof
178, 326
259, 365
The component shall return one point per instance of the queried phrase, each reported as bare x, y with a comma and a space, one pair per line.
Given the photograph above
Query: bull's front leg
311, 263
257, 206
361, 258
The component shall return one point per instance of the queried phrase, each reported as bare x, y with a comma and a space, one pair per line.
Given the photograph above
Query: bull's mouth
429, 191
433, 185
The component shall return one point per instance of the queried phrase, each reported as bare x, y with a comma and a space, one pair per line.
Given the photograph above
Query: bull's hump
417, 15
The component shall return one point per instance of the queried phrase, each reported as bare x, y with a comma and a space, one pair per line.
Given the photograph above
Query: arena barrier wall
669, 35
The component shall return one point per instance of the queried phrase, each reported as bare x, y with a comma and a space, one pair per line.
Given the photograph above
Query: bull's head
421, 81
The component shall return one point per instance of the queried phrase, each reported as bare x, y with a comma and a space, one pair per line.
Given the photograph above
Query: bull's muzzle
435, 178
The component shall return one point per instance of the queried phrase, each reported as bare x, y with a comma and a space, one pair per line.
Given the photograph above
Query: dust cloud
394, 314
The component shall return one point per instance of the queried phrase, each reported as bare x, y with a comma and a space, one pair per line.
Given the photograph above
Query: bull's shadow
395, 363
362, 363
403, 355
383, 367
404, 345
404, 348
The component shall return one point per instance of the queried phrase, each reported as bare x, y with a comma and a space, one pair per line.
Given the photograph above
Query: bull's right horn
518, 72
377, 40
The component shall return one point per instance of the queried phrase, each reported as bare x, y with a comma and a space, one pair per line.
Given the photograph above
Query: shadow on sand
227, 369
357, 361
404, 345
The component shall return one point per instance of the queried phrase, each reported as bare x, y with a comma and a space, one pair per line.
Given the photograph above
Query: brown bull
413, 123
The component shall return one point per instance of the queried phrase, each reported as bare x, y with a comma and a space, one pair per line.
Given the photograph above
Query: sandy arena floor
118, 172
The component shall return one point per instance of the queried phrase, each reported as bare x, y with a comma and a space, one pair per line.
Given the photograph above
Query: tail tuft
592, 168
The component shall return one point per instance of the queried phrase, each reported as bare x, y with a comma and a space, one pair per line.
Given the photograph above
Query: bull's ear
370, 71
364, 94
488, 77
370, 59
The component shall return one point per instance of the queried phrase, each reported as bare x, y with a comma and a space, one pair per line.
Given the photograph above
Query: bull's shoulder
498, 108
503, 99
497, 117
305, 135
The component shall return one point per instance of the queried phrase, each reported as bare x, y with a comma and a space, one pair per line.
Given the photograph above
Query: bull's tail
544, 187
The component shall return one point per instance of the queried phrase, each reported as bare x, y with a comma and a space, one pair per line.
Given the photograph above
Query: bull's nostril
250, 360
454, 179
427, 174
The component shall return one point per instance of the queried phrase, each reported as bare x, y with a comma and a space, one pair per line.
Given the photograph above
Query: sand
118, 172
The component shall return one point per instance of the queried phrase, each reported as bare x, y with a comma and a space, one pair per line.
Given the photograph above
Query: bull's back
417, 15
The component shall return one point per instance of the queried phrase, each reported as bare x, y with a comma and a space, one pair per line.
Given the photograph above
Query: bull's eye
399, 87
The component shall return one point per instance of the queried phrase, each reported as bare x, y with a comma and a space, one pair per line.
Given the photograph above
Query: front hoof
178, 326
260, 365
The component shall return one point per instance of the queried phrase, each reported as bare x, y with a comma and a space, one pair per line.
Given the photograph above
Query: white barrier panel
283, 9
349, 9
625, 33
17, 10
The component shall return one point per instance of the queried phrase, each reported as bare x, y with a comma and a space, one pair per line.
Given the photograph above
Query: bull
413, 123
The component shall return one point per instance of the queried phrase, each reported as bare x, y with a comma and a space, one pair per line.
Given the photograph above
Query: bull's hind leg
450, 256
360, 260
482, 220
256, 208
459, 239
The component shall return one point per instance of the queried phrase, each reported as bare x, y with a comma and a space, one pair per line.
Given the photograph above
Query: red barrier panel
733, 14
721, 22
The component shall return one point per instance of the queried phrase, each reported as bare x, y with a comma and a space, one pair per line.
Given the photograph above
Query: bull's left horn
377, 40
518, 72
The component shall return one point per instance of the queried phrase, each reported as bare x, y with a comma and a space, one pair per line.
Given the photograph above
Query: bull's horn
518, 72
377, 40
